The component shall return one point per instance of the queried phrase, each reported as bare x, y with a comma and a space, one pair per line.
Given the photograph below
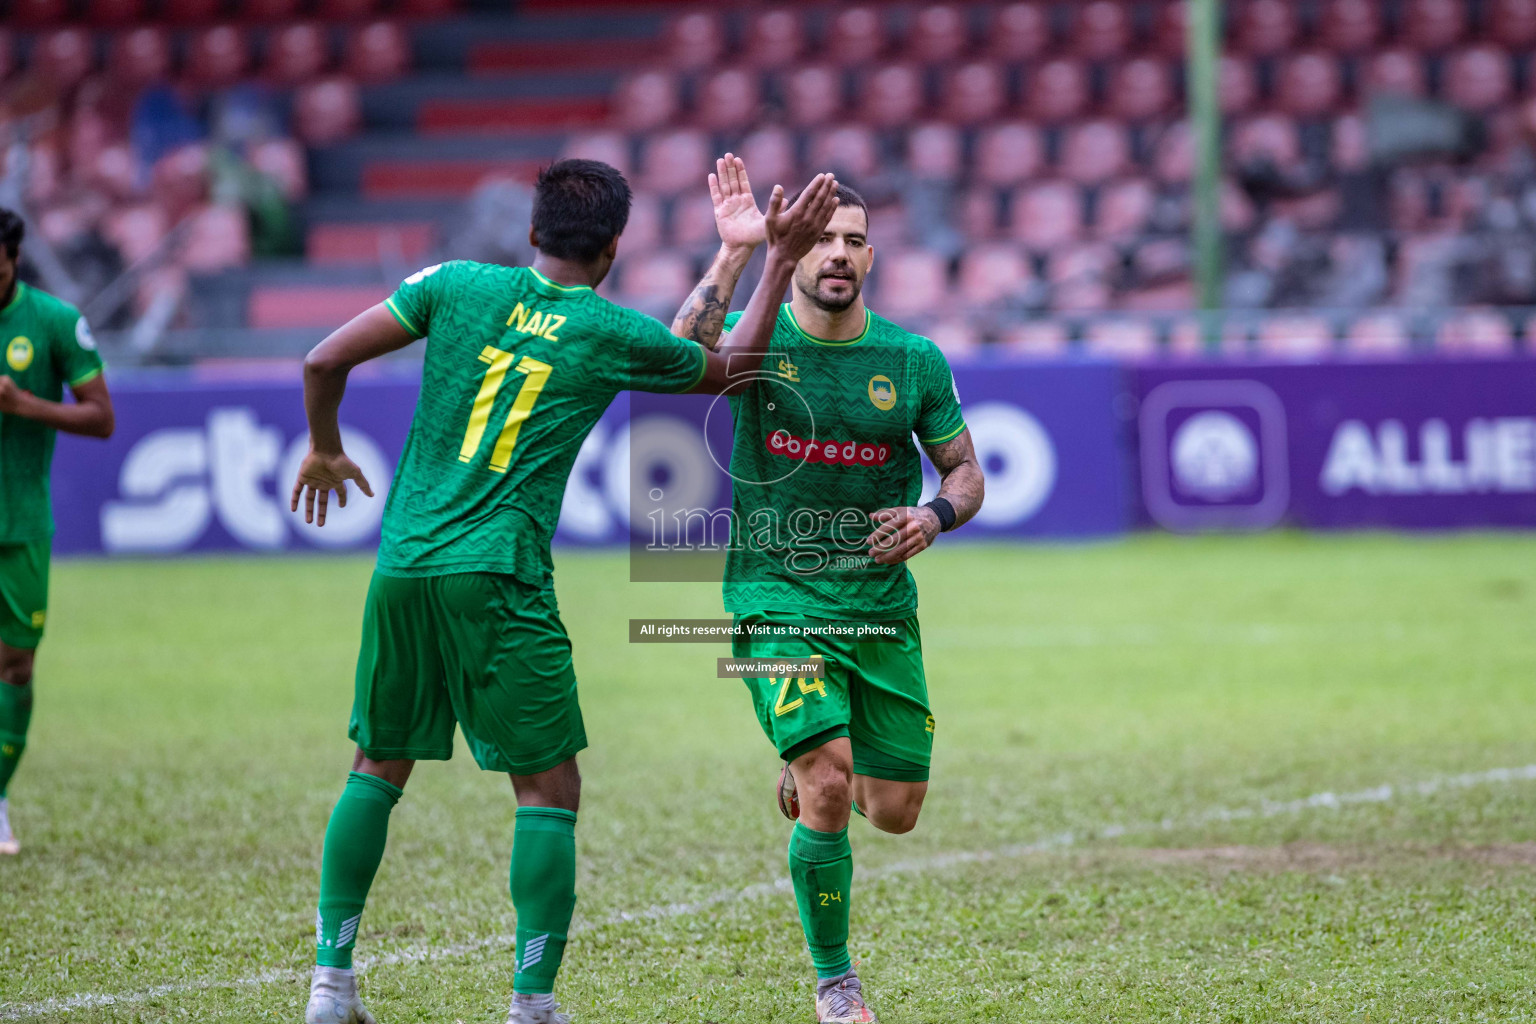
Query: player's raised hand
321, 474
901, 533
737, 217
793, 232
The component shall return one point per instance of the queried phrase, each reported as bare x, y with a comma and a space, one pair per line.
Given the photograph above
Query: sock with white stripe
543, 894
354, 845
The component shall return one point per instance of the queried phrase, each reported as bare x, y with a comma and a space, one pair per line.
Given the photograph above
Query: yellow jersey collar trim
868, 321
559, 287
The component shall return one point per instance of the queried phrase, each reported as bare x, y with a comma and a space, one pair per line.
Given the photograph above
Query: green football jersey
517, 371
824, 437
48, 344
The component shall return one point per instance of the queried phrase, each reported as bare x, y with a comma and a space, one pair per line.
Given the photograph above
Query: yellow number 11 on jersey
500, 362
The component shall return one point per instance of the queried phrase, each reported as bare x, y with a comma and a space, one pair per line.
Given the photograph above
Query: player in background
860, 737
460, 626
48, 345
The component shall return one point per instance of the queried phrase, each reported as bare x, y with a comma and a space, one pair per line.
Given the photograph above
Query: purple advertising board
206, 466
1431, 444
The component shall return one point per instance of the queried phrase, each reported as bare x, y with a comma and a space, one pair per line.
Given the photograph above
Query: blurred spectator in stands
162, 121
495, 224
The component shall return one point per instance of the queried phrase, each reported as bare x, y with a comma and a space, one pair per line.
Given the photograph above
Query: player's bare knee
824, 780
558, 787
16, 666
896, 820
894, 807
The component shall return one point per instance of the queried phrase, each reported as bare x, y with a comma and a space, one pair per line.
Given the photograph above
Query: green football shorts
24, 592
480, 650
874, 693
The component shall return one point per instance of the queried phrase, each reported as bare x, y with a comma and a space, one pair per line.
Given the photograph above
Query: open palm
737, 217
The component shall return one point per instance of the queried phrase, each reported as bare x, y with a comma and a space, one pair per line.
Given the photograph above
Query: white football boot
333, 998
535, 1010
841, 1001
10, 846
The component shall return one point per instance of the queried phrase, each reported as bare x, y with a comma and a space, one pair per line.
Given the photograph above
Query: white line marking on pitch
1327, 801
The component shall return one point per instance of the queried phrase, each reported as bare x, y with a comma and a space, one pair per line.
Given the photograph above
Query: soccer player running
460, 626
825, 485
48, 345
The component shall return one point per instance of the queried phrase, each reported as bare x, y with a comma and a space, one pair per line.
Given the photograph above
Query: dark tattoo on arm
962, 483
702, 316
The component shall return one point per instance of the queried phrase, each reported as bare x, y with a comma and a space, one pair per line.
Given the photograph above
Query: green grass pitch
1129, 821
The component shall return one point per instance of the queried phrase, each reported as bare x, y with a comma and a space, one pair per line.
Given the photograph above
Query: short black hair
579, 207
845, 197
12, 230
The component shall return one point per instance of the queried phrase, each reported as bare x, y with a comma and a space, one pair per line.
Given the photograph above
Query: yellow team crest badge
38, 618
882, 392
18, 354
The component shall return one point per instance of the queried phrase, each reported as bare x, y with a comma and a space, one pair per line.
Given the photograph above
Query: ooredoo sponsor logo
835, 453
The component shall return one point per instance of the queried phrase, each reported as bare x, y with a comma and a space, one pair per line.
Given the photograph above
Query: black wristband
945, 511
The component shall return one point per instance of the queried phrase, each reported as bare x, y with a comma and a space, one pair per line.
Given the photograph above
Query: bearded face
832, 274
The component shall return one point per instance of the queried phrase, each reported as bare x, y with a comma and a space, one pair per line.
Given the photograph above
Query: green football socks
821, 868
354, 845
543, 894
15, 717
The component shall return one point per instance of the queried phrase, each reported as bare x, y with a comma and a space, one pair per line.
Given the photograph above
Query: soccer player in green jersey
460, 626
47, 345
826, 481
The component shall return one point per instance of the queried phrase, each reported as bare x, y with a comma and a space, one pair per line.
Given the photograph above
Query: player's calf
889, 805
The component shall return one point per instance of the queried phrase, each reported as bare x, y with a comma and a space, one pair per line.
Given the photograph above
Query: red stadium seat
140, 57
1075, 263
728, 100
1173, 155
1057, 90
268, 11
974, 93
1350, 148
1123, 210
992, 273
38, 13
769, 154
939, 33
1350, 26
327, 111
64, 56
849, 151
1433, 24
1036, 339
1377, 334
284, 161
695, 40
1048, 215
114, 12
775, 38
297, 53
813, 95
1170, 32
115, 173
1264, 28
1237, 85
612, 148
1101, 29
643, 231
977, 213
179, 181
1140, 89
1295, 336
1019, 31
377, 53
217, 238
934, 152
892, 96
346, 10
693, 222
425, 8
675, 161
1095, 151
955, 336
1268, 136
136, 231
1478, 78
1396, 72
1476, 332
1310, 84
658, 279
646, 101
911, 281
855, 35
1009, 154
1511, 23
340, 244
191, 12
217, 57
1121, 339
